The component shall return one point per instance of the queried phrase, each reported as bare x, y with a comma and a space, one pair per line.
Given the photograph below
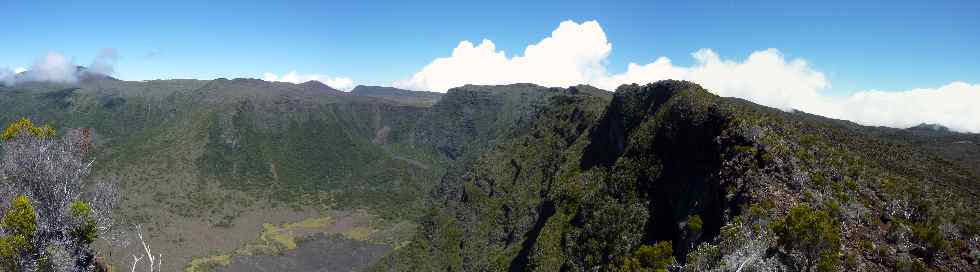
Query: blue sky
860, 45
849, 47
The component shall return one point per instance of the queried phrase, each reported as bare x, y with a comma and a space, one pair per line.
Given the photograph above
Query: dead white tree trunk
153, 263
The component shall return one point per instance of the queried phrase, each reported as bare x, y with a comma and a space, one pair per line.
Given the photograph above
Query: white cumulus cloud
340, 83
765, 77
577, 54
574, 53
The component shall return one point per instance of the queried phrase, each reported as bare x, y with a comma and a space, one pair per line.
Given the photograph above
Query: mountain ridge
664, 153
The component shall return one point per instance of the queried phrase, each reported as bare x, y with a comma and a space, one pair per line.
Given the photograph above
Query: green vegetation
694, 223
705, 257
527, 178
273, 240
929, 235
319, 154
653, 258
50, 172
637, 172
812, 233
264, 145
416, 98
21, 220
913, 265
278, 239
86, 231
25, 125
21, 217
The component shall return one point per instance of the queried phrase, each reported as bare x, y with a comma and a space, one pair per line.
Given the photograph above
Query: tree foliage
25, 125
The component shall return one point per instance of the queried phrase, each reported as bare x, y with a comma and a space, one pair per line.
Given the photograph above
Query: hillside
668, 175
204, 164
241, 173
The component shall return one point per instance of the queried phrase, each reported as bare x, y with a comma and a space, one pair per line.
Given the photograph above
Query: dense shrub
656, 257
19, 227
23, 126
929, 236
54, 217
695, 224
85, 229
20, 219
812, 236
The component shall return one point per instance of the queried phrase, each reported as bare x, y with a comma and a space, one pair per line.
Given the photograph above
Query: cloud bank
340, 83
105, 62
577, 54
955, 105
56, 67
53, 67
7, 76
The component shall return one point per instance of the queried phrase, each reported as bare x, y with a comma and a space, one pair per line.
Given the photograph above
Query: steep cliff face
471, 118
600, 183
501, 201
672, 137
